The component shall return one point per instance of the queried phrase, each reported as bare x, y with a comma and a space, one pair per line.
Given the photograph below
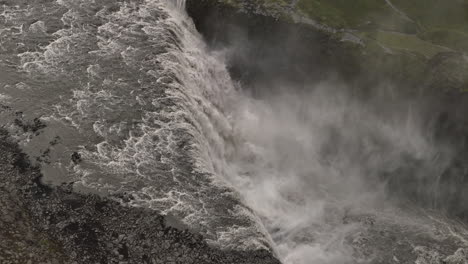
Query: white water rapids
159, 123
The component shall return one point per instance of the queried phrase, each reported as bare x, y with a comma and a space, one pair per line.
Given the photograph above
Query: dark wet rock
262, 45
76, 157
41, 224
29, 126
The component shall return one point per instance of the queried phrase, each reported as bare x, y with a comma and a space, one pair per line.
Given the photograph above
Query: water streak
181, 4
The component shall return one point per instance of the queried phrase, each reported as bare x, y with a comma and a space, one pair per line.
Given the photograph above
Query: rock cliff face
366, 40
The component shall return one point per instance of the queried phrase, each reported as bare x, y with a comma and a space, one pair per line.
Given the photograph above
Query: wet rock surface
261, 45
41, 224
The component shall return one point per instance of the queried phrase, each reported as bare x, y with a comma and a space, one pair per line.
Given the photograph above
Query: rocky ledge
41, 224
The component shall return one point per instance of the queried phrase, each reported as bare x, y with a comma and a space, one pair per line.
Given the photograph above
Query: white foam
161, 129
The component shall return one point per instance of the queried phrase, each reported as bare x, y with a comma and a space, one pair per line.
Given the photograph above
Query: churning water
158, 122
131, 87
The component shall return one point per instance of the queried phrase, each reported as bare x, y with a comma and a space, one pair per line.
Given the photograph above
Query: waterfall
159, 123
181, 4
148, 105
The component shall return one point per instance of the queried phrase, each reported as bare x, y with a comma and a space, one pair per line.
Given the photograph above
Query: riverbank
42, 224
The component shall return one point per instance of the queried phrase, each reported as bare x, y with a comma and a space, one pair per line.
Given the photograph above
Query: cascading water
158, 122
181, 4
145, 106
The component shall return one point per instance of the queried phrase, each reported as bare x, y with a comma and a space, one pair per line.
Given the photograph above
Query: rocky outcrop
261, 44
279, 38
42, 224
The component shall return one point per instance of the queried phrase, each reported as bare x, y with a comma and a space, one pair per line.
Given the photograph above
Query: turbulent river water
158, 122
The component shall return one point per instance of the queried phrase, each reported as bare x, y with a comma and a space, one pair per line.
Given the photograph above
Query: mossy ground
400, 37
430, 22
350, 14
404, 42
412, 32
449, 14
442, 23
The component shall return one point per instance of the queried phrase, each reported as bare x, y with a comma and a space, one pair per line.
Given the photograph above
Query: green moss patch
453, 39
352, 14
451, 14
404, 42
